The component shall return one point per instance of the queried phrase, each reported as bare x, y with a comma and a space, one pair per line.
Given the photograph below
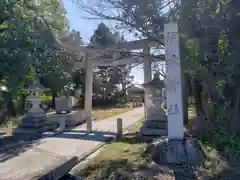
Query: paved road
58, 154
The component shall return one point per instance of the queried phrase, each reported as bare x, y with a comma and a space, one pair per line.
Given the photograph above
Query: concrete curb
107, 140
62, 170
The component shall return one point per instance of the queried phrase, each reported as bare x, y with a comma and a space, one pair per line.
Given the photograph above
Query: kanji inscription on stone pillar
173, 82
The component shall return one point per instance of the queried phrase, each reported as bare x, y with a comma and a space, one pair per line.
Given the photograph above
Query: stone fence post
62, 123
119, 128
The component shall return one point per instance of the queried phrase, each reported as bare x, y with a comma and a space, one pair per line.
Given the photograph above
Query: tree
208, 39
27, 45
108, 77
102, 36
143, 18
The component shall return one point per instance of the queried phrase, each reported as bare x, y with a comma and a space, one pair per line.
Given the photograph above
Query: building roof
135, 87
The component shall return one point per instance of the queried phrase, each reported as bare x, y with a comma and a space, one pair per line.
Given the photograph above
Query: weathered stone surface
195, 153
71, 119
160, 117
34, 126
156, 110
63, 104
31, 119
177, 152
157, 116
34, 132
153, 132
157, 124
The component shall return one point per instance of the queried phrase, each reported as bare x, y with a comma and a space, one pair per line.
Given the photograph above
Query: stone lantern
2, 90
155, 86
35, 89
34, 122
63, 103
156, 119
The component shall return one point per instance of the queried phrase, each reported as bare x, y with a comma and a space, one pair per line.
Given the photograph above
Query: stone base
156, 124
34, 123
38, 114
34, 127
71, 119
178, 152
31, 126
154, 117
29, 133
153, 132
63, 104
153, 129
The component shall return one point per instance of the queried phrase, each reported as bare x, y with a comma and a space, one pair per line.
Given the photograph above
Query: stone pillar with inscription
173, 82
155, 124
175, 147
175, 150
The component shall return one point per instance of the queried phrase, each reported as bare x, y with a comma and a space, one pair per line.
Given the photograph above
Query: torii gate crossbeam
146, 58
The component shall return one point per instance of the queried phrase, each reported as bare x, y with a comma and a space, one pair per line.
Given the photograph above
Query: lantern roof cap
155, 83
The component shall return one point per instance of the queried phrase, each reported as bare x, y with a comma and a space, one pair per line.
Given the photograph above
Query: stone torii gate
92, 61
174, 94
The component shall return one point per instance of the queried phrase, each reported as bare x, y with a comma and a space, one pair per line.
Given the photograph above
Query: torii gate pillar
147, 68
88, 96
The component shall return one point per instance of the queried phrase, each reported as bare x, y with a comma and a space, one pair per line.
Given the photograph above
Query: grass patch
9, 124
125, 155
108, 111
218, 166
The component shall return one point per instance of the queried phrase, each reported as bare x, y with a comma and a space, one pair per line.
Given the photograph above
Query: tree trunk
54, 95
124, 90
197, 90
185, 99
11, 110
236, 122
22, 103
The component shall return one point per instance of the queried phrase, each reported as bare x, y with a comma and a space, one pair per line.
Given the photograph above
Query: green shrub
221, 136
191, 100
45, 97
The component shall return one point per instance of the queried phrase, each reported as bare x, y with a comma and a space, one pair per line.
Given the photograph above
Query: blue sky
87, 27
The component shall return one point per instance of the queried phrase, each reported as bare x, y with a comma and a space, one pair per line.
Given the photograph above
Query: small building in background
135, 92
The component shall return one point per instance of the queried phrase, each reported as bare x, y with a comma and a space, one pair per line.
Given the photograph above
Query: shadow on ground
101, 136
13, 152
6, 154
